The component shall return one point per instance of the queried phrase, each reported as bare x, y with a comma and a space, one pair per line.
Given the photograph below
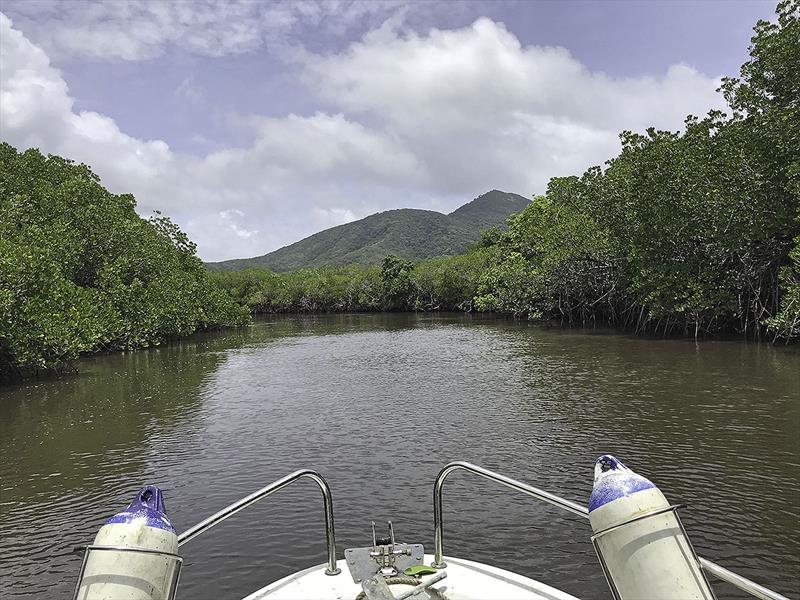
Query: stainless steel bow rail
218, 517
711, 568
273, 487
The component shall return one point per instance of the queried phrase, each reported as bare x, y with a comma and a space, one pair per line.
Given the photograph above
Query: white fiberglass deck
466, 580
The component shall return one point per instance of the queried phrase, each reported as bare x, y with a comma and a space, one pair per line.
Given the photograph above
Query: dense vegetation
80, 271
447, 283
693, 232
409, 233
687, 231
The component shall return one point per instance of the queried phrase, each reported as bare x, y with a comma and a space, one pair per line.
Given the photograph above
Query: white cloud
37, 111
426, 121
140, 29
144, 29
476, 106
230, 217
335, 216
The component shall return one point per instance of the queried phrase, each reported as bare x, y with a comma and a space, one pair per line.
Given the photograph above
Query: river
378, 404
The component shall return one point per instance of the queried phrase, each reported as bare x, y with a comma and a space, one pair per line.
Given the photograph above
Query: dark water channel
378, 403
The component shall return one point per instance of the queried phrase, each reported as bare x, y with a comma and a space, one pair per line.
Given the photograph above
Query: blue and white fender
114, 575
648, 558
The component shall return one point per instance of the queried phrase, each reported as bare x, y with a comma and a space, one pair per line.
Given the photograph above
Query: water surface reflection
378, 403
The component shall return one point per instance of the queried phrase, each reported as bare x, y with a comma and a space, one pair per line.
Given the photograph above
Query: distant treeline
692, 233
81, 272
446, 284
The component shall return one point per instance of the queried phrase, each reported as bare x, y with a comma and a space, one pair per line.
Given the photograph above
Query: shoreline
256, 318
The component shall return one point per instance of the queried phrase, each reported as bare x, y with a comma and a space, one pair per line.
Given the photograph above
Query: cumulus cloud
37, 111
143, 29
425, 121
505, 113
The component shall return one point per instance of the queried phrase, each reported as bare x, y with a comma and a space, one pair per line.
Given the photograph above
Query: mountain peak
411, 233
490, 209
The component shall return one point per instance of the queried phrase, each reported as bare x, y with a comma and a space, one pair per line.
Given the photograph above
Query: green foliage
80, 271
700, 226
396, 282
449, 283
555, 257
766, 96
441, 284
510, 287
328, 289
490, 237
409, 233
687, 231
786, 324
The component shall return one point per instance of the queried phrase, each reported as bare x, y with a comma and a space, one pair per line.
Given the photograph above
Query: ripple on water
378, 404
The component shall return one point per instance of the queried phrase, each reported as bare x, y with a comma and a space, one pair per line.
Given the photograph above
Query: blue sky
255, 124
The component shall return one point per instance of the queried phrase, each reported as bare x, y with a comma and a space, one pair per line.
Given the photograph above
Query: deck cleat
386, 557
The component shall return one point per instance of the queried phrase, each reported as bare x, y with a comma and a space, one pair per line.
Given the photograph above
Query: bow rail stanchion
744, 584
492, 476
273, 487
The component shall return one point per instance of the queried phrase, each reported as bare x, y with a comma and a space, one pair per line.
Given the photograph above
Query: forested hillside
409, 233
80, 271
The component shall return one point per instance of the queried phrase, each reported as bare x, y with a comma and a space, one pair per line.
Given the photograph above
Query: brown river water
378, 404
